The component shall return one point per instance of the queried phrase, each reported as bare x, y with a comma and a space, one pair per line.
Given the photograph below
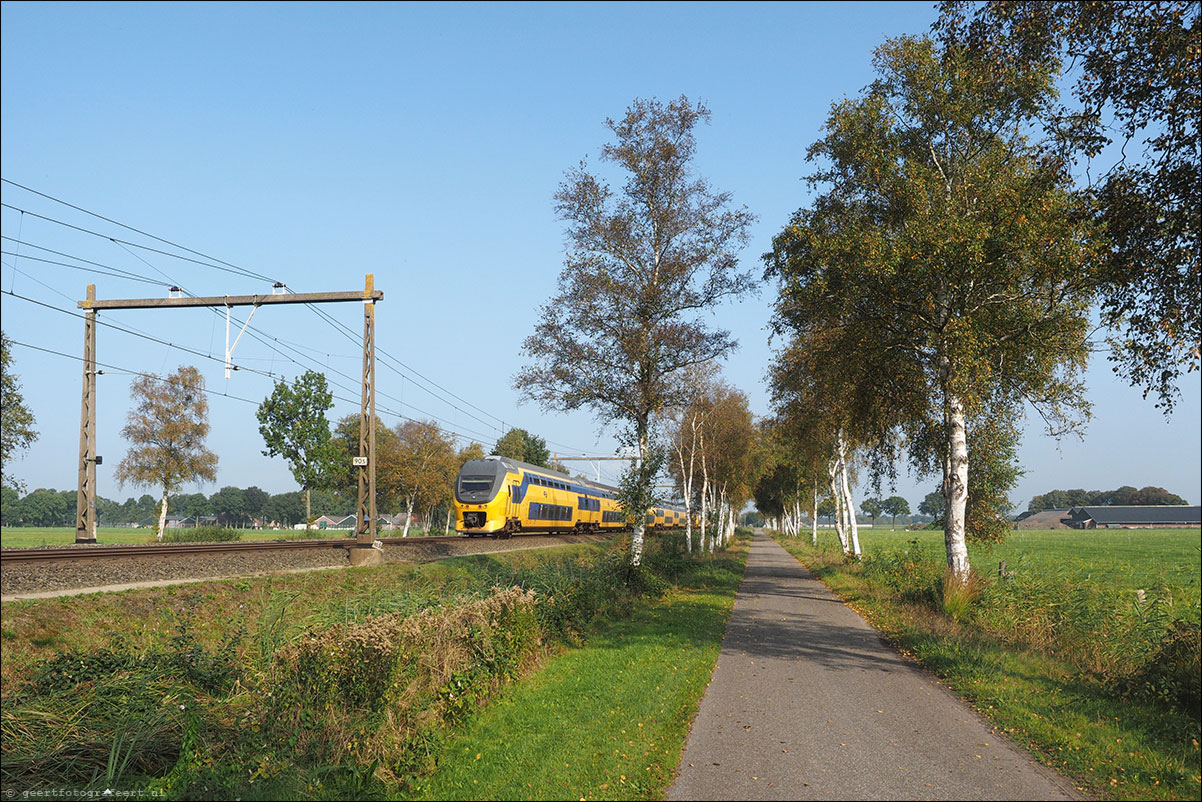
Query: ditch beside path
808, 702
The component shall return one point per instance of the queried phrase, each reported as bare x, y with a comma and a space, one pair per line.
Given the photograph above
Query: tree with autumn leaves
416, 466
166, 430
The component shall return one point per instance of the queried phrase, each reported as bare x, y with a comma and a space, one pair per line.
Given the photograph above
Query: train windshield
474, 484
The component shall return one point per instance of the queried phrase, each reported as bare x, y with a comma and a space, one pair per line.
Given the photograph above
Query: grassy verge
301, 686
1085, 650
608, 720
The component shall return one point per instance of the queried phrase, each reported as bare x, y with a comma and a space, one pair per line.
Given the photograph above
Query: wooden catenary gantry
365, 528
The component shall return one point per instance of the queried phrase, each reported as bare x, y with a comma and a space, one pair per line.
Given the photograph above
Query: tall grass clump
915, 572
202, 534
111, 718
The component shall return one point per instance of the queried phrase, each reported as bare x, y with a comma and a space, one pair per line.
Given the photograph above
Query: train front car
482, 503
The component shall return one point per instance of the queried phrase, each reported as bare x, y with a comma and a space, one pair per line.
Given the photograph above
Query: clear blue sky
314, 143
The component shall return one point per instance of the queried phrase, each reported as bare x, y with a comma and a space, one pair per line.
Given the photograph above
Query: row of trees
944, 277
231, 506
714, 457
1120, 497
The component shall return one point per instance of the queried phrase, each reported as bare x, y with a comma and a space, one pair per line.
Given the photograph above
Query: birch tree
955, 252
167, 429
683, 435
732, 451
645, 264
813, 390
1132, 69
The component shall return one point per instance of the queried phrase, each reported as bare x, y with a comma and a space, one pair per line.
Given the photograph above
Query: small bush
202, 534
915, 574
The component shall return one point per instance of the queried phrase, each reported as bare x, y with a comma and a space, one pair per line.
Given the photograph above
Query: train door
513, 508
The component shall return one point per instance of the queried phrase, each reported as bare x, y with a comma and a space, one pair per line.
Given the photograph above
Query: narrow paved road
808, 702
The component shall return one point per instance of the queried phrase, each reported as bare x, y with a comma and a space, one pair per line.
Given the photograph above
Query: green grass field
1128, 558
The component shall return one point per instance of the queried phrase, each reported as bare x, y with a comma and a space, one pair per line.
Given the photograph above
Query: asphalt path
807, 701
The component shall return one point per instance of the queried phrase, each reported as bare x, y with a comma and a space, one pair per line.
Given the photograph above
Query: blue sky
314, 143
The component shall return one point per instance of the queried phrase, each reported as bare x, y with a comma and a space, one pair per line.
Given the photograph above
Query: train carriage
497, 497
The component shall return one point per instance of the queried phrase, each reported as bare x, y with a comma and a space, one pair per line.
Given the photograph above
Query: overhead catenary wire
232, 267
129, 371
384, 358
475, 436
229, 268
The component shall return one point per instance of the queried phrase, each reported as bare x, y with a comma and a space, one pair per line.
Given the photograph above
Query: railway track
12, 556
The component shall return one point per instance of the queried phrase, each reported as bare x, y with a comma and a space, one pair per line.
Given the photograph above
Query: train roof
551, 472
554, 474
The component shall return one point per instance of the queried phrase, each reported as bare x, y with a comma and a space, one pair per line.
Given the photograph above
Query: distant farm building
335, 522
1044, 519
1138, 517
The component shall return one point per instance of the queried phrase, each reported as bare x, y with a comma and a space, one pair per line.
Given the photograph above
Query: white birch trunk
686, 481
956, 488
408, 516
447, 529
640, 521
723, 516
162, 517
720, 530
705, 484
814, 517
717, 512
853, 527
832, 471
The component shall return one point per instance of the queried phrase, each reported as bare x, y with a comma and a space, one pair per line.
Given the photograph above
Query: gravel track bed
58, 575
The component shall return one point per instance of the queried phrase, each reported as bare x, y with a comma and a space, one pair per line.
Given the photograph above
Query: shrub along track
24, 572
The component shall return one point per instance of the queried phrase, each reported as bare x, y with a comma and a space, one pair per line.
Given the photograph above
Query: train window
471, 484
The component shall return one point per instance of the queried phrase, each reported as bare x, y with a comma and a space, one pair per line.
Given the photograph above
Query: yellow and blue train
498, 497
